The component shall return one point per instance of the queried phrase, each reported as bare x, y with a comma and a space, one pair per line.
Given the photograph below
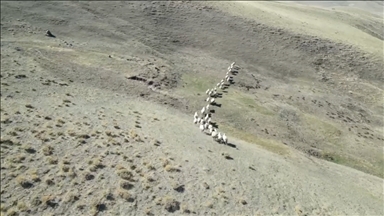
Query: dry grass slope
98, 120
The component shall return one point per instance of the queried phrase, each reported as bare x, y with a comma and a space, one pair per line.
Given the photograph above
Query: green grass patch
250, 103
198, 84
331, 133
358, 164
274, 146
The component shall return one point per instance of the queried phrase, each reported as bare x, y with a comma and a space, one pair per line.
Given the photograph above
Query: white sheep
202, 121
207, 108
225, 139
214, 134
203, 110
210, 126
209, 120
195, 120
217, 84
206, 92
215, 89
233, 64
206, 118
206, 125
198, 120
207, 99
202, 128
219, 137
210, 129
195, 115
212, 100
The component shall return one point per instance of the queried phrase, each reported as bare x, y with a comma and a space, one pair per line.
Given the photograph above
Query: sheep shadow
235, 72
212, 111
216, 104
215, 125
232, 82
232, 145
219, 96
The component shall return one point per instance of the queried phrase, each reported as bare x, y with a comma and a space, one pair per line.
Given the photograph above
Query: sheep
212, 100
225, 139
209, 120
233, 64
217, 84
210, 129
214, 134
195, 115
198, 120
202, 121
210, 126
219, 137
207, 108
202, 128
203, 110
206, 118
206, 92
195, 120
222, 81
206, 125
215, 89
226, 76
207, 99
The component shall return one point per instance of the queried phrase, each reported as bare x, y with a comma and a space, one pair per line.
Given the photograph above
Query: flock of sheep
205, 120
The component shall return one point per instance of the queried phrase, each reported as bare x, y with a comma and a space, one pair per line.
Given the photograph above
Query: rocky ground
98, 120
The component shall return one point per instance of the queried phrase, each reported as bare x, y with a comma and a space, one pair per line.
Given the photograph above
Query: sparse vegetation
170, 204
170, 168
126, 185
105, 127
125, 195
52, 160
95, 163
125, 174
24, 182
48, 150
